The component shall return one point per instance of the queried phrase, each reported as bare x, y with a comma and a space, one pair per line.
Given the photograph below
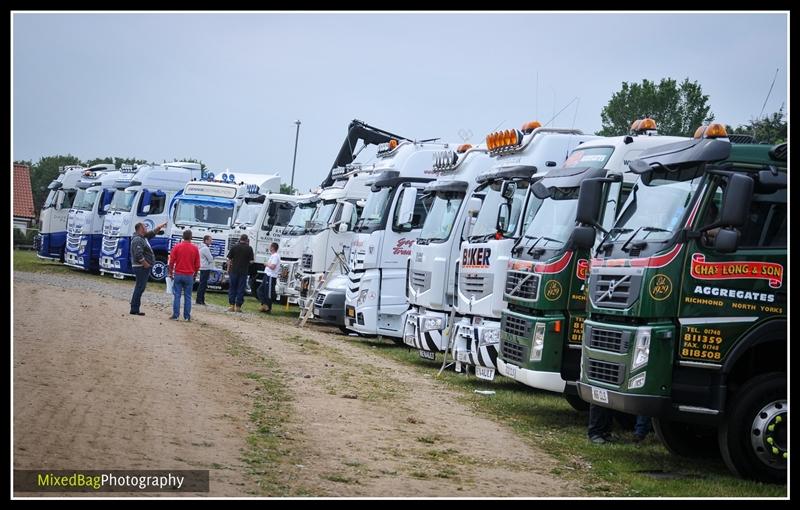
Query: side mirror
407, 204
347, 211
589, 200
583, 238
540, 191
342, 227
503, 214
59, 200
736, 201
508, 189
105, 205
727, 240
473, 208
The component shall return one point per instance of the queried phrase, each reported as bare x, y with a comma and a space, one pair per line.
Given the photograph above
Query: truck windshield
374, 211
592, 157
554, 222
441, 217
319, 220
123, 201
302, 214
85, 198
197, 212
653, 212
486, 223
247, 214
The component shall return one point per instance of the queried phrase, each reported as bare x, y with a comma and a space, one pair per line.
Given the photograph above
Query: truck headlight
538, 342
641, 353
637, 381
432, 323
362, 297
491, 336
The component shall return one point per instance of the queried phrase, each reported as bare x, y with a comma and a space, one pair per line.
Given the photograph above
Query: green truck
687, 301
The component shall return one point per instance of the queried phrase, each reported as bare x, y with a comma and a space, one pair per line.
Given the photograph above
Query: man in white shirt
266, 291
206, 266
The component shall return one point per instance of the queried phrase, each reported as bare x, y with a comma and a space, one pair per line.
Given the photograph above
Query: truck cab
49, 243
688, 300
144, 195
389, 225
433, 265
502, 208
541, 328
293, 240
85, 218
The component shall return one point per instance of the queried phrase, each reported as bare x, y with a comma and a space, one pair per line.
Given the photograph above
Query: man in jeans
184, 262
239, 258
142, 259
266, 291
206, 266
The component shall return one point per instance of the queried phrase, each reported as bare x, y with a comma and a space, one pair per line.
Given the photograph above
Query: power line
770, 92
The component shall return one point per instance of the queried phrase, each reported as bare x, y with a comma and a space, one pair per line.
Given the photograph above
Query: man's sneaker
137, 313
188, 320
173, 318
637, 438
599, 440
238, 308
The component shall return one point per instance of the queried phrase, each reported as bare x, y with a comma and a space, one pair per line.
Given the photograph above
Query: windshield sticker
770, 271
652, 262
551, 268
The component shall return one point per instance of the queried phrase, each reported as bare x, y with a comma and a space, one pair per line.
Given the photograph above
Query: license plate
477, 321
118, 276
462, 356
316, 311
351, 312
427, 354
511, 371
484, 373
600, 395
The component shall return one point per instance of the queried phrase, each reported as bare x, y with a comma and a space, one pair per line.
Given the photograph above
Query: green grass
547, 421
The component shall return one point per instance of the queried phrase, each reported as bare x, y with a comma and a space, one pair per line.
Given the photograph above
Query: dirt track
150, 393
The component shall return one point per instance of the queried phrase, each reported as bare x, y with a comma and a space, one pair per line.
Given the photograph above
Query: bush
24, 239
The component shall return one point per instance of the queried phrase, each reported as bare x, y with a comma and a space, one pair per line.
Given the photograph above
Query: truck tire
576, 402
158, 271
752, 439
686, 439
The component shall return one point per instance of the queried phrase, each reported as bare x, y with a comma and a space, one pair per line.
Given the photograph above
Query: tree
287, 190
677, 109
189, 160
772, 129
45, 171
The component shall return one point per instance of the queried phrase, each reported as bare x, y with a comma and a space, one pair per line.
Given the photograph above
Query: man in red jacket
184, 263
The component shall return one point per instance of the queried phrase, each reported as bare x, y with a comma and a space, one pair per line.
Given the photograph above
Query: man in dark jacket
142, 259
239, 258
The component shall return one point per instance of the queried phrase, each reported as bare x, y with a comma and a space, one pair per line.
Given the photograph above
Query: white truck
145, 197
209, 208
432, 267
85, 218
52, 237
291, 248
503, 193
387, 230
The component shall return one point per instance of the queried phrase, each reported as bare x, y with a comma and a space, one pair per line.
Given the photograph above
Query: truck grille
512, 352
420, 280
110, 245
476, 285
614, 290
217, 247
608, 339
307, 262
110, 230
515, 326
522, 285
604, 371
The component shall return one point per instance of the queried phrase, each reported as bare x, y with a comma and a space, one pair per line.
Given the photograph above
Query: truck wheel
686, 439
158, 271
576, 402
752, 439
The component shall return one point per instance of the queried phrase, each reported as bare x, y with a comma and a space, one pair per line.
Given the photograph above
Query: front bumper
329, 307
550, 381
469, 347
425, 339
641, 405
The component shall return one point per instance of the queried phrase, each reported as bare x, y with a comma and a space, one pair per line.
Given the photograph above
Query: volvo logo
612, 285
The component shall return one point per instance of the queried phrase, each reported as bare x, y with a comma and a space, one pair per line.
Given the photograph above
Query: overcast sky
227, 88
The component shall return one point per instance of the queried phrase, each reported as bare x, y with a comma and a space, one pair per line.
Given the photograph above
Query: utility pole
296, 136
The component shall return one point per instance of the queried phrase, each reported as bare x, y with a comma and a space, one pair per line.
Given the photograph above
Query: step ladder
451, 341
308, 311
